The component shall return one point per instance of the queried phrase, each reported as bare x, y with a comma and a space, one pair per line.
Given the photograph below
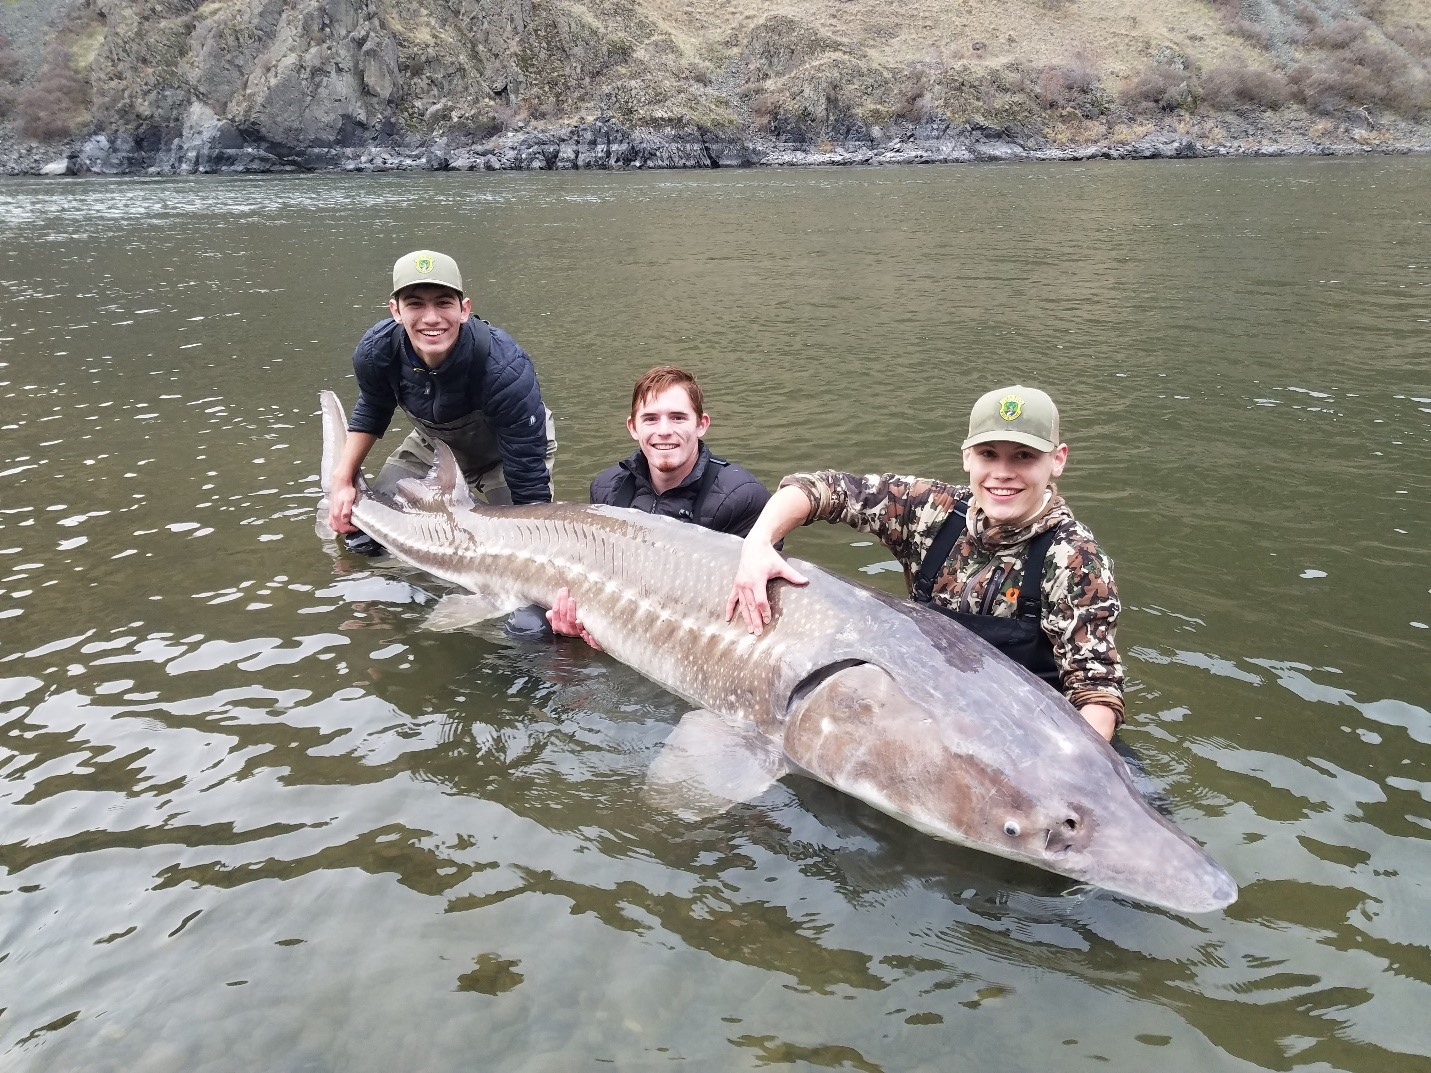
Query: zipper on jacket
995, 580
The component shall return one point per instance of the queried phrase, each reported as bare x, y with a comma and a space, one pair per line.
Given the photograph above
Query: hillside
184, 86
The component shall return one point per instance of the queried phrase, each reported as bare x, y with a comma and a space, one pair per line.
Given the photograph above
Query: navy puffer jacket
498, 379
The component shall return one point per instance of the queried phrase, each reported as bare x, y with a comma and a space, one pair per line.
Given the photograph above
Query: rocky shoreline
179, 87
216, 147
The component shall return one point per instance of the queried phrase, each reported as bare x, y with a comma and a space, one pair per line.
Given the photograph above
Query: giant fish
890, 702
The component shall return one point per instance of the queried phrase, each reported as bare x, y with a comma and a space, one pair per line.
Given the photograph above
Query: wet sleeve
518, 416
1080, 616
898, 511
376, 399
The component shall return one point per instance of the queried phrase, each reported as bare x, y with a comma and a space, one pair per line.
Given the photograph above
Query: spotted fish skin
880, 698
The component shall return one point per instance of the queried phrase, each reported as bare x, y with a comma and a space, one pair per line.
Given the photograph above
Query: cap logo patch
1011, 407
424, 264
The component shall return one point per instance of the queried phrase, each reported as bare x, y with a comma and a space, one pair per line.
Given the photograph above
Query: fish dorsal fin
710, 763
446, 477
444, 487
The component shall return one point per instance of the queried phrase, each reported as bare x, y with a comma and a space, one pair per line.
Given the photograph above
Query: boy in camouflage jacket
1012, 455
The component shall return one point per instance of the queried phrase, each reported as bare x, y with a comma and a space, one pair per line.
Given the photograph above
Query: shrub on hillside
1065, 85
1414, 39
12, 68
1229, 86
1253, 32
1159, 87
1337, 35
53, 105
1382, 79
765, 109
1306, 15
914, 95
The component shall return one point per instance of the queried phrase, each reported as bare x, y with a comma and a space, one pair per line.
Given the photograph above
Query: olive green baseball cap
426, 266
1019, 414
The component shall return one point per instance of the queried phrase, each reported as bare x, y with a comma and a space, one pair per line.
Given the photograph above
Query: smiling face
668, 431
432, 316
1009, 479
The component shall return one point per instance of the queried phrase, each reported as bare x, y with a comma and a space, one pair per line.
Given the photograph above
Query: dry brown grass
1032, 33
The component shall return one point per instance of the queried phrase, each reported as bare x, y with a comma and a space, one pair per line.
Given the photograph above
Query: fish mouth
1188, 882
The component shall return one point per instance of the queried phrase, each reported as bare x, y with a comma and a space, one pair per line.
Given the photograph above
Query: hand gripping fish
876, 696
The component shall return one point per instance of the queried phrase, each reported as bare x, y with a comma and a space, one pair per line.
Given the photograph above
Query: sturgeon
890, 702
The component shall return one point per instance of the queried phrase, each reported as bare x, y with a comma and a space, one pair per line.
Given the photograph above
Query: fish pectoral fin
459, 611
320, 522
711, 762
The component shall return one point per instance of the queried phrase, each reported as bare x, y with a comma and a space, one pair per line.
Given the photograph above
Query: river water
253, 816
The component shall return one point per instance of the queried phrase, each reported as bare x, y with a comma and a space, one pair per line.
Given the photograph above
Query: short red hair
661, 378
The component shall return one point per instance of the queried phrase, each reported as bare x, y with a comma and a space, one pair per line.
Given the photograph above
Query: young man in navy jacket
459, 380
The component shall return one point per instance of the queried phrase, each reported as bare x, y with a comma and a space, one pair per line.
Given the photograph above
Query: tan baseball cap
1019, 414
426, 266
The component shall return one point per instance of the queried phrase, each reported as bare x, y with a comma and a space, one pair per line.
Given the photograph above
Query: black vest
625, 490
1021, 638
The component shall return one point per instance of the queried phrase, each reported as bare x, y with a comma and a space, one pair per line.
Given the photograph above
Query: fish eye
1011, 828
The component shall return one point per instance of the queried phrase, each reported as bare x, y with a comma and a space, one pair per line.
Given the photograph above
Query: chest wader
473, 441
1021, 638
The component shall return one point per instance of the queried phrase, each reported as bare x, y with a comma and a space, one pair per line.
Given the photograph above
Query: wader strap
1031, 595
938, 554
1031, 592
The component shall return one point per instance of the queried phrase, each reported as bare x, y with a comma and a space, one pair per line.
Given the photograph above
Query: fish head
1046, 790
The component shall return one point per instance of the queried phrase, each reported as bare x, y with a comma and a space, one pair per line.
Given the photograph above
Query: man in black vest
672, 471
460, 380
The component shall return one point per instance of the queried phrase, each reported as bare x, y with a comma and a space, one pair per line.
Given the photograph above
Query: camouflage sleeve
903, 513
1080, 615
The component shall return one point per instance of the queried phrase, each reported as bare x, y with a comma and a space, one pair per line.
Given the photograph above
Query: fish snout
1065, 833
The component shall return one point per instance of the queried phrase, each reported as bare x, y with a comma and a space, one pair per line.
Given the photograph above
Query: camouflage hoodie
1080, 601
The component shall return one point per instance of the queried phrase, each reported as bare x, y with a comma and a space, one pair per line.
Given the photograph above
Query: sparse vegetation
12, 70
1335, 35
844, 71
1355, 65
1416, 40
1230, 86
915, 95
54, 104
1068, 84
1158, 87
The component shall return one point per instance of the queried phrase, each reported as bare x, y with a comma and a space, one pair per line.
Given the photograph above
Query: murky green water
253, 817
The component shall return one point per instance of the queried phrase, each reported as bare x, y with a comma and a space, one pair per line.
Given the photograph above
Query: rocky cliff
187, 86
